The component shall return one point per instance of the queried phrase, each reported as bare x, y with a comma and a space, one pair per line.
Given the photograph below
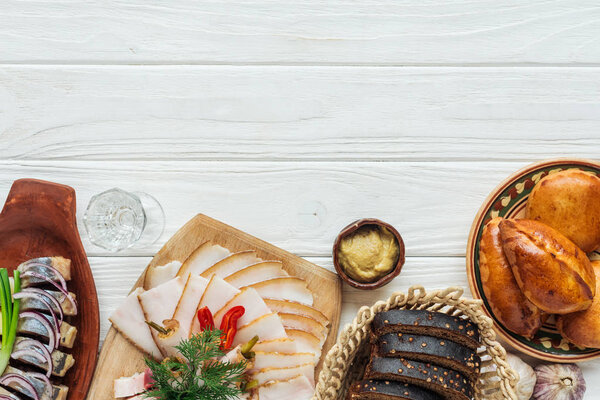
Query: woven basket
346, 361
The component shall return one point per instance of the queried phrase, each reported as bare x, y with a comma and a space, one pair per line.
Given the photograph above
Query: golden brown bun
583, 327
504, 296
569, 201
553, 273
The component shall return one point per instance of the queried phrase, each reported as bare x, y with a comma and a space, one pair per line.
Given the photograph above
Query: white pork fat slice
286, 288
217, 294
283, 345
184, 315
278, 360
267, 375
160, 274
307, 324
298, 388
254, 307
255, 273
267, 327
231, 264
129, 320
305, 342
132, 385
159, 303
205, 256
290, 307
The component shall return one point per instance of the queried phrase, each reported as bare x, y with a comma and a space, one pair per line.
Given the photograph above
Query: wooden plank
119, 358
298, 206
316, 32
298, 113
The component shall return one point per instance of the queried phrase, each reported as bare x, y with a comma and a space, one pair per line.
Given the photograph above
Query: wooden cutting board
119, 358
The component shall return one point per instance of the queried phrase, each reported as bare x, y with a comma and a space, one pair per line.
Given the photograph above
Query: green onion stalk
10, 315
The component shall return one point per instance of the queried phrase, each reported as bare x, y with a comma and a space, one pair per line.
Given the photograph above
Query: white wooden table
290, 120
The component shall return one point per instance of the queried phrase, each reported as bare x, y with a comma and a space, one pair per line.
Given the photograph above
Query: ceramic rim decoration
509, 200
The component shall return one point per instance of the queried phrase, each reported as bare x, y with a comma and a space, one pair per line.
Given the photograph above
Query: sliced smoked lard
204, 257
298, 388
185, 311
129, 320
159, 303
231, 264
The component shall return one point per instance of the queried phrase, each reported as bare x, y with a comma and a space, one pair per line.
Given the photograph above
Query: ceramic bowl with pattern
509, 200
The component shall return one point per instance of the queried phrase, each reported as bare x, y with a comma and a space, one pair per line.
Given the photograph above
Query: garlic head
527, 377
559, 382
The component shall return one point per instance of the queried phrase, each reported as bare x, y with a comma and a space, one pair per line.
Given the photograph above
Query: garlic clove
527, 376
559, 382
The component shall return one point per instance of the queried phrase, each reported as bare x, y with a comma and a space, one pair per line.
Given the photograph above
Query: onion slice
28, 353
50, 281
43, 294
56, 272
52, 331
20, 380
5, 397
27, 344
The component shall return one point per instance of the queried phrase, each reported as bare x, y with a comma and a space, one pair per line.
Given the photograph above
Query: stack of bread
538, 266
420, 355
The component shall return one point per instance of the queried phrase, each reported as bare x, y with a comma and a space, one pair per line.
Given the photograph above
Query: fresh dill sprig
198, 375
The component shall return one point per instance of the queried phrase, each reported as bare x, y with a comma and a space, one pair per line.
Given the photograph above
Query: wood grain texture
119, 358
297, 113
316, 32
38, 220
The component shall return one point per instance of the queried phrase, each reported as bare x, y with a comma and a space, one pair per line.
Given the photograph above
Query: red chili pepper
229, 326
205, 318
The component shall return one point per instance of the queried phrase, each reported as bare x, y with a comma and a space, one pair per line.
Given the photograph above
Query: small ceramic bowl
384, 280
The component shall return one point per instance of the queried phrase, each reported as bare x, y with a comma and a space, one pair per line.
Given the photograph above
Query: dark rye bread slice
451, 384
389, 390
423, 322
429, 349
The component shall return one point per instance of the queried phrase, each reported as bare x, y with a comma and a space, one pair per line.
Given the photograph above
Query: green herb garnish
198, 375
10, 315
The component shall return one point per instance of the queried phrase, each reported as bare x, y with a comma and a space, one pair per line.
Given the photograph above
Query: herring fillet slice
129, 320
297, 388
290, 307
231, 264
159, 303
61, 264
184, 314
293, 321
267, 327
204, 257
287, 288
253, 304
283, 345
217, 294
33, 304
58, 392
32, 327
267, 375
305, 342
160, 274
255, 273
